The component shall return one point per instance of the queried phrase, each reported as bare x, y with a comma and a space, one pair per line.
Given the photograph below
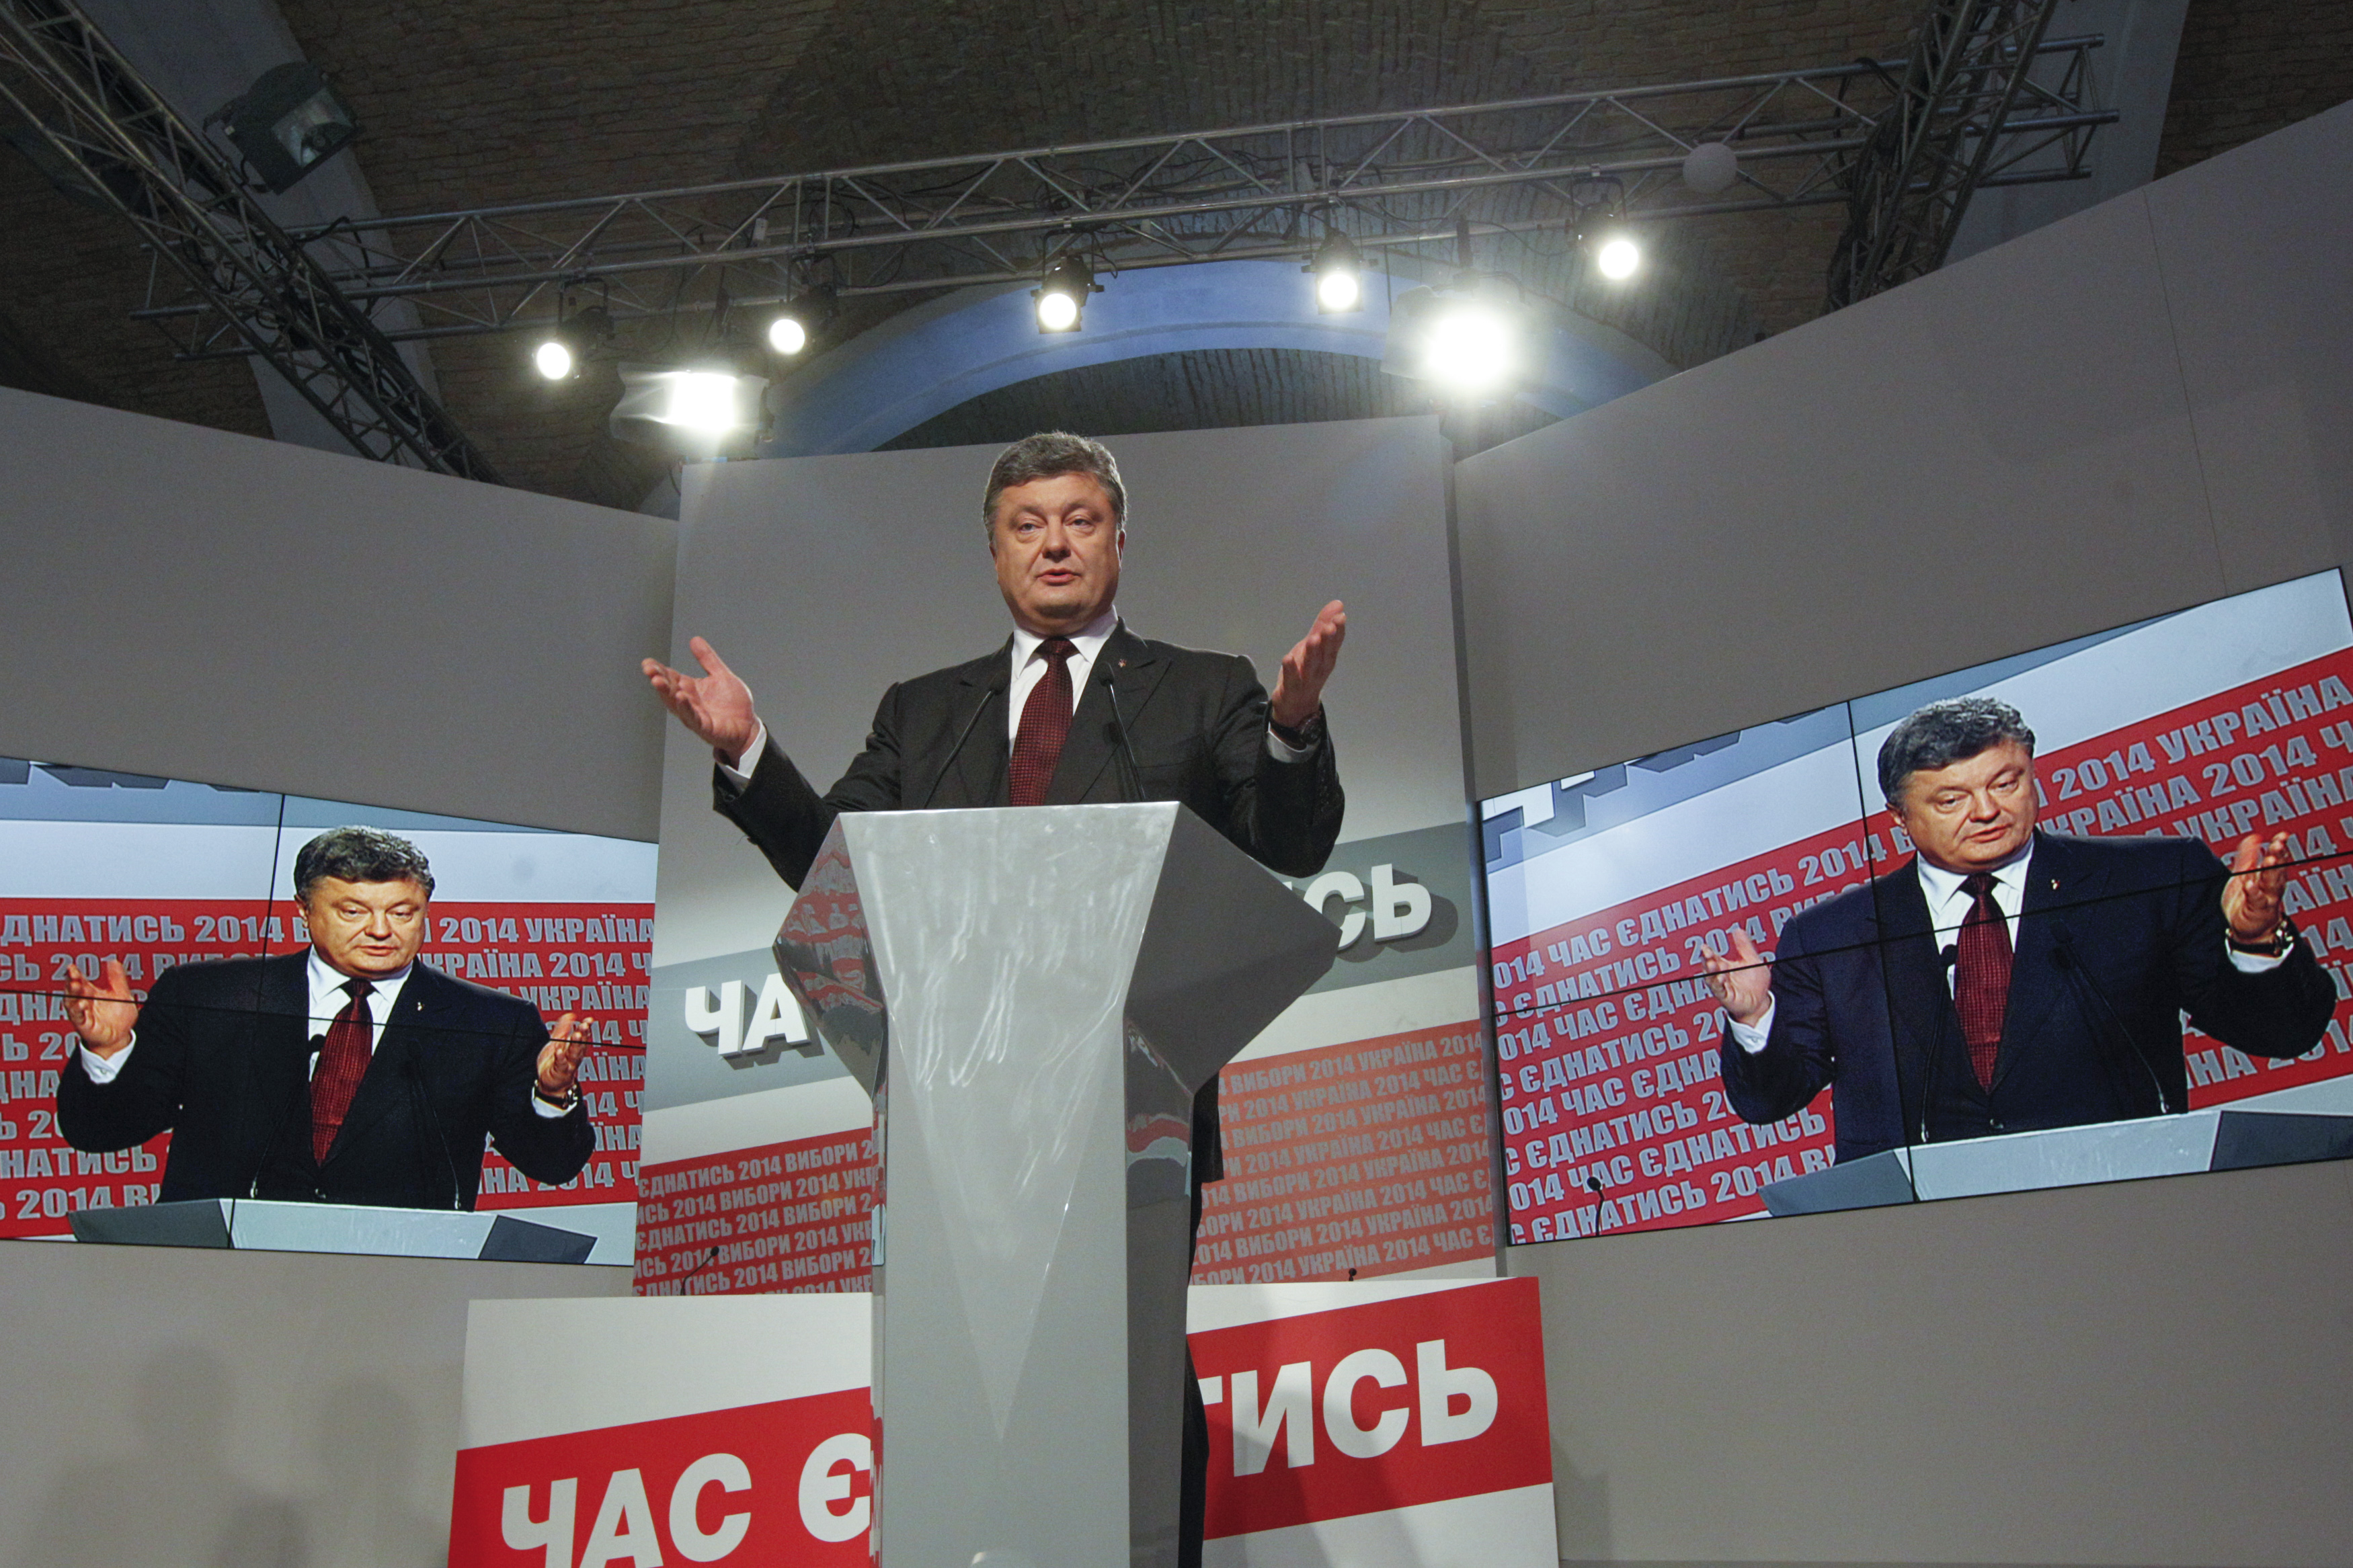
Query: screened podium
1032, 997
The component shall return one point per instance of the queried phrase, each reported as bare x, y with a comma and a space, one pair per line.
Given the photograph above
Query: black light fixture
798, 321
1339, 276
570, 342
1061, 294
288, 123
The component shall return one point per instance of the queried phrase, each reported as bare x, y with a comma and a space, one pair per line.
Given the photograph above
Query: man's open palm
716, 707
1299, 686
103, 1012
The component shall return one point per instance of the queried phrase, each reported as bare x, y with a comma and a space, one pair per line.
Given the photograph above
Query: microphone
415, 1076
2064, 954
1119, 730
994, 687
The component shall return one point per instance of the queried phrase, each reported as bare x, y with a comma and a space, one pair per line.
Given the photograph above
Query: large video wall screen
1728, 982
152, 882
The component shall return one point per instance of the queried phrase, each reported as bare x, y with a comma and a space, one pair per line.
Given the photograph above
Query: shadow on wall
1581, 1506
364, 1511
175, 1500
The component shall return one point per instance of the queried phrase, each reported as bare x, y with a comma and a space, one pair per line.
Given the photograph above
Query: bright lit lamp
1061, 295
554, 359
1339, 276
1617, 257
787, 335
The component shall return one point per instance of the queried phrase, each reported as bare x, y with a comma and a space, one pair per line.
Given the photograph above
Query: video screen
2074, 916
231, 1018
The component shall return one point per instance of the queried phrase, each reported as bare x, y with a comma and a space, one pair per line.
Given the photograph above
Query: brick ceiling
466, 105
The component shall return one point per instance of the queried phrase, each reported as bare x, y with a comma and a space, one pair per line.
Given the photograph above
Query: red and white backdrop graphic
1372, 1424
586, 958
1614, 1118
781, 1219
1370, 1157
1361, 1158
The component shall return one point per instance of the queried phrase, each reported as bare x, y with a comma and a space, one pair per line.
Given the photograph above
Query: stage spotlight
288, 123
703, 401
800, 319
1339, 276
1470, 340
1471, 346
1617, 257
1061, 295
570, 342
693, 410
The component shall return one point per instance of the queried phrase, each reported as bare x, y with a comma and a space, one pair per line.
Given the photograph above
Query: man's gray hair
1045, 455
1944, 733
360, 855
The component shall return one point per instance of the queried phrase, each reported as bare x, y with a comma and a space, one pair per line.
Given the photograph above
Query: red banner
1606, 1039
786, 1482
569, 957
1351, 1160
780, 1219
1420, 1399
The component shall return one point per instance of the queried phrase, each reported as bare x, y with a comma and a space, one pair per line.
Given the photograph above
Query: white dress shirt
1949, 906
329, 997
1028, 669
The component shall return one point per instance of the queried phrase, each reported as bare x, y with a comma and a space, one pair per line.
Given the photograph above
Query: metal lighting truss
1390, 181
255, 286
1980, 98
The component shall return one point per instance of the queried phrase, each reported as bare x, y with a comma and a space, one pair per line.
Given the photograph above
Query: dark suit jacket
1196, 724
223, 1061
2116, 939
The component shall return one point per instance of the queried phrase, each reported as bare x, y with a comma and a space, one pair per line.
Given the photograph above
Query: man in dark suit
2006, 980
1073, 707
350, 1072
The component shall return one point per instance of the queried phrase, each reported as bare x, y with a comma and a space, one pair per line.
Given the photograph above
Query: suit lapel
2057, 879
388, 1085
1092, 745
978, 774
1925, 1026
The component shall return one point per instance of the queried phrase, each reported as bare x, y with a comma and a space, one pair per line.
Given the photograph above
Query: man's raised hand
1299, 685
1741, 981
559, 1059
103, 1012
716, 707
2250, 898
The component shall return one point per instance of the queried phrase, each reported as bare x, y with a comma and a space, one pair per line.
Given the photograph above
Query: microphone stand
417, 1091
2063, 952
1119, 732
1951, 954
994, 690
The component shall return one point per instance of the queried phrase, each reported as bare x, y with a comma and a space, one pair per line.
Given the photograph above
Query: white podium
1032, 997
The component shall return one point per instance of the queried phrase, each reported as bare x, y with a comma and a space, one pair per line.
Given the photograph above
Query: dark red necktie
342, 1062
1045, 724
1981, 976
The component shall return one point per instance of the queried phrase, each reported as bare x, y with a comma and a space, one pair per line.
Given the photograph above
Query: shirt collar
1088, 640
327, 981
1943, 886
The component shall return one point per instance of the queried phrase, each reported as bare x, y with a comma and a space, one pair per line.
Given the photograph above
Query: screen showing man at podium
176, 962
2075, 915
346, 1071
2068, 963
